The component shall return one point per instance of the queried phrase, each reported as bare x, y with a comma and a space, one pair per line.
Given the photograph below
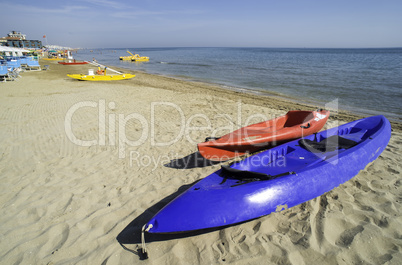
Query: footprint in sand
346, 238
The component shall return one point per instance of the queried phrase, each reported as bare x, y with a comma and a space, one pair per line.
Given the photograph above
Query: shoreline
86, 164
286, 99
360, 112
261, 96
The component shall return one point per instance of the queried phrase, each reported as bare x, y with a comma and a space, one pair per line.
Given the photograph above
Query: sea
366, 81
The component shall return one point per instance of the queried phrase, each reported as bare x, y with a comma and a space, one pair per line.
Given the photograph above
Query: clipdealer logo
112, 127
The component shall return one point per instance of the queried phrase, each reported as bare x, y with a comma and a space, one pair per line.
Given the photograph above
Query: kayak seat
329, 144
298, 118
356, 135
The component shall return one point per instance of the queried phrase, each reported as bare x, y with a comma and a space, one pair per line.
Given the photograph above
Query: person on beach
100, 72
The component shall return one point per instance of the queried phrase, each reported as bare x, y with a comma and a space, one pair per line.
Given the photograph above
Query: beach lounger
14, 63
23, 61
33, 65
4, 73
14, 73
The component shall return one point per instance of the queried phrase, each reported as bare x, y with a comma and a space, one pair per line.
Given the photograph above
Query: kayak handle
211, 138
306, 127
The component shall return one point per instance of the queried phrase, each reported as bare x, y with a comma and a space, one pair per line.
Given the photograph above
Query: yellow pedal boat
101, 77
53, 59
140, 59
126, 58
134, 58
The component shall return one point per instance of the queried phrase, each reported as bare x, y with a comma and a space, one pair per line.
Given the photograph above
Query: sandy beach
84, 165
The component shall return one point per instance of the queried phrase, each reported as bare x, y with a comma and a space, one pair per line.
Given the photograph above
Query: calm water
365, 80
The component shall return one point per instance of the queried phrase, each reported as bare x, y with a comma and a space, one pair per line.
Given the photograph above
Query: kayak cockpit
297, 118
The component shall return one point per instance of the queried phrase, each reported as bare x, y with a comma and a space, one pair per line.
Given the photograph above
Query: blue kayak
276, 179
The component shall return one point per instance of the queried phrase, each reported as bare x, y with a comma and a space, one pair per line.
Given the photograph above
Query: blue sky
216, 23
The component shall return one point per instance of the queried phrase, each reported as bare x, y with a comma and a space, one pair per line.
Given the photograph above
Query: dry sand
82, 196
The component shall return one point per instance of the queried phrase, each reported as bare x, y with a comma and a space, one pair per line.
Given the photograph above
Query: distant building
16, 35
17, 39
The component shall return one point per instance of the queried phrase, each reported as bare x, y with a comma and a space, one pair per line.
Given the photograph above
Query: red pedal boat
72, 63
292, 125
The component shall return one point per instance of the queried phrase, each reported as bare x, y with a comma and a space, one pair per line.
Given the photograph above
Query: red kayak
292, 125
72, 63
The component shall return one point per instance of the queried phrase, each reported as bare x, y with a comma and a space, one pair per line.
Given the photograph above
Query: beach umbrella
12, 50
